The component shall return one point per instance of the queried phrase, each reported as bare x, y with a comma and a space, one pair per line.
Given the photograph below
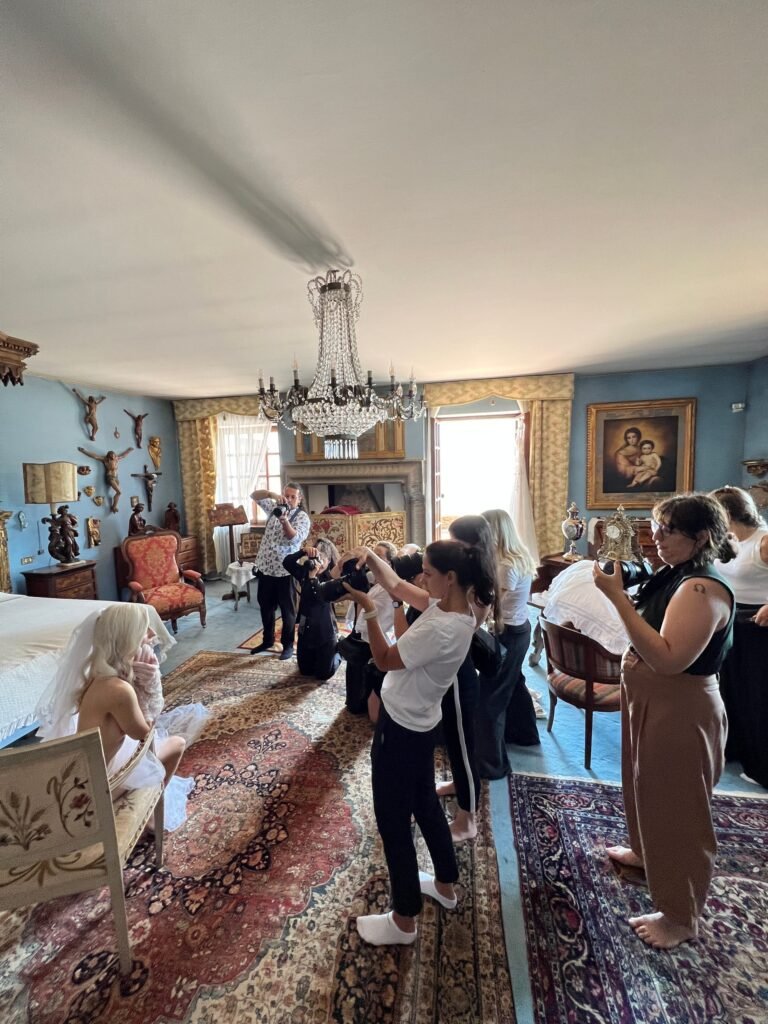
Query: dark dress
316, 650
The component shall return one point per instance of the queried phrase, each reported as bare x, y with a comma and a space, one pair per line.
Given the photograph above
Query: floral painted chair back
54, 801
61, 833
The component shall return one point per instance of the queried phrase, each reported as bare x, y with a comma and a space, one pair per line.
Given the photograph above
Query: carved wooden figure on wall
90, 403
150, 479
110, 462
155, 449
138, 425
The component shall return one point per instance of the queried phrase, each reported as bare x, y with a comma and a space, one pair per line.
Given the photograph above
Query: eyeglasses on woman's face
662, 529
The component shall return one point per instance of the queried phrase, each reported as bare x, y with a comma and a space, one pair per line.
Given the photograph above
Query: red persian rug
586, 963
251, 918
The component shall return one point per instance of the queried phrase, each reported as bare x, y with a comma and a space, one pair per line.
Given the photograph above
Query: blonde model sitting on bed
109, 678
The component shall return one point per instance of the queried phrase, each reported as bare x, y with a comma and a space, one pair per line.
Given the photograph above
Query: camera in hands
334, 590
632, 573
280, 511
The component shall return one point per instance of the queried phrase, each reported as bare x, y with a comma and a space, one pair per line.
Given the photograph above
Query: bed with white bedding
33, 633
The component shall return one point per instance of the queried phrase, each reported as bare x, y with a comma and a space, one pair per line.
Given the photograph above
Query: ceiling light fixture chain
340, 404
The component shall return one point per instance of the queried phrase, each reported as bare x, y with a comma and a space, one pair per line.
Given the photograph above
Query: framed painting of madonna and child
639, 452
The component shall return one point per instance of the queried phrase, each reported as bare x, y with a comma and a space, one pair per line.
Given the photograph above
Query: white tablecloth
240, 574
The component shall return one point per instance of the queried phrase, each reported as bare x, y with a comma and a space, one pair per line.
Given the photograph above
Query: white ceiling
524, 185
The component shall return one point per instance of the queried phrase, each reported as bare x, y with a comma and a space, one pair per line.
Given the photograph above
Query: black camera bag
486, 652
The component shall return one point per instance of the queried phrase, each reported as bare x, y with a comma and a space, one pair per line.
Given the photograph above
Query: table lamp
52, 483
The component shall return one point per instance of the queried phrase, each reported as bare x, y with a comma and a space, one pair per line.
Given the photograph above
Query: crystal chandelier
340, 404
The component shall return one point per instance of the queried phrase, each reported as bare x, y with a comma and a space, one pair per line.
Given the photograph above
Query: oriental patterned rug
251, 919
586, 964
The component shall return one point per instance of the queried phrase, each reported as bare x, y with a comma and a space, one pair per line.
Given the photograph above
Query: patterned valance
186, 409
545, 386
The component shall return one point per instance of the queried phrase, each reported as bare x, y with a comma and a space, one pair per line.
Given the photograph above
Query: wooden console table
68, 581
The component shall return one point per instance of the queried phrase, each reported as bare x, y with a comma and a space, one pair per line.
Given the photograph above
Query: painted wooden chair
580, 672
154, 576
61, 831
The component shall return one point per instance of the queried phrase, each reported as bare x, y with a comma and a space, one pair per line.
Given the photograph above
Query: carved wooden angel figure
110, 461
90, 404
138, 425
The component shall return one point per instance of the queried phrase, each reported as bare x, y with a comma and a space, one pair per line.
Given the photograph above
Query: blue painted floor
561, 753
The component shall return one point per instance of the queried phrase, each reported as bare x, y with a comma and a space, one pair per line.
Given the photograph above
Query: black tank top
654, 597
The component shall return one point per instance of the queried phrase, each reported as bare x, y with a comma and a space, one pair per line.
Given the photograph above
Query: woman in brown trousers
673, 721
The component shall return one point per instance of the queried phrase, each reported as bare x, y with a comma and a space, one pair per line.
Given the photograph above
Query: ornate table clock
573, 530
617, 539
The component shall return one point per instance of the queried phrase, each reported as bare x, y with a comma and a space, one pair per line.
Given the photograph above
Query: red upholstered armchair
154, 576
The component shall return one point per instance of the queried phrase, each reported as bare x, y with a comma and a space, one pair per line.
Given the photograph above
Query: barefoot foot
445, 789
624, 855
463, 826
658, 931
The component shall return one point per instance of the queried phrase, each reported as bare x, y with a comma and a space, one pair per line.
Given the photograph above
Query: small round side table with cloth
240, 574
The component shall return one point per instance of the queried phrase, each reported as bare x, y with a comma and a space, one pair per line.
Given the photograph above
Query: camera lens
279, 510
334, 590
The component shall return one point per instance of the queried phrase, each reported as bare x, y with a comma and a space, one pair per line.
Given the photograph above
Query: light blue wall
719, 432
756, 426
43, 422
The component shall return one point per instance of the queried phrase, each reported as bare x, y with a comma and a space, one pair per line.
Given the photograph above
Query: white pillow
573, 597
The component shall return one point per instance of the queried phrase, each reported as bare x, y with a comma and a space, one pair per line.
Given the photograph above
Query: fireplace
408, 474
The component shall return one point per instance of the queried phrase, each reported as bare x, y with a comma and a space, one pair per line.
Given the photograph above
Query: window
472, 466
270, 479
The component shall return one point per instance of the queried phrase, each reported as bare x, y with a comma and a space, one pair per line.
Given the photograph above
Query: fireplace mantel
408, 473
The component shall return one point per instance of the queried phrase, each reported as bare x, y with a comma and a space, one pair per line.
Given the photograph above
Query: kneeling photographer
314, 567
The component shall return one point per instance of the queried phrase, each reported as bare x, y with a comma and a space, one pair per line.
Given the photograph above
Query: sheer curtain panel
241, 448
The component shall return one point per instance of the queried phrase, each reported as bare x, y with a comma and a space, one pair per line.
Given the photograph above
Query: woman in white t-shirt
743, 674
420, 667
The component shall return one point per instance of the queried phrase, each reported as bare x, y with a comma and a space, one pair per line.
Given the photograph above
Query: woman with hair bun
673, 722
743, 676
419, 668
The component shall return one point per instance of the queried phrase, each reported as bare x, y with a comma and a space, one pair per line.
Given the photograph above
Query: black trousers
403, 782
458, 707
274, 592
744, 689
319, 661
505, 712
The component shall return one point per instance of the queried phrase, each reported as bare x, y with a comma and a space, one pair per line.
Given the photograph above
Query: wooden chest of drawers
70, 581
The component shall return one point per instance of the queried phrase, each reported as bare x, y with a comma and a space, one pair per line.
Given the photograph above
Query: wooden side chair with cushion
154, 576
582, 673
61, 832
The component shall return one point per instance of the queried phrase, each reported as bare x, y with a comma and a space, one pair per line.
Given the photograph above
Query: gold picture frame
639, 452
382, 441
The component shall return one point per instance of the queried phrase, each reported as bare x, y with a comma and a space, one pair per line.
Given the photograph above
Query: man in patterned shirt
283, 535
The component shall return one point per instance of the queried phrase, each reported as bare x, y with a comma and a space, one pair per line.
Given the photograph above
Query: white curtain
522, 507
241, 448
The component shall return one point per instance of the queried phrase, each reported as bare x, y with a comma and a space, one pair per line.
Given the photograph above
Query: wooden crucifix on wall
150, 479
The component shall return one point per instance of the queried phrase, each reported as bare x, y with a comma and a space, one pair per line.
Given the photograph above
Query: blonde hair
508, 546
117, 636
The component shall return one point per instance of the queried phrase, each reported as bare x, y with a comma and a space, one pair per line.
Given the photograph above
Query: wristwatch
397, 604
